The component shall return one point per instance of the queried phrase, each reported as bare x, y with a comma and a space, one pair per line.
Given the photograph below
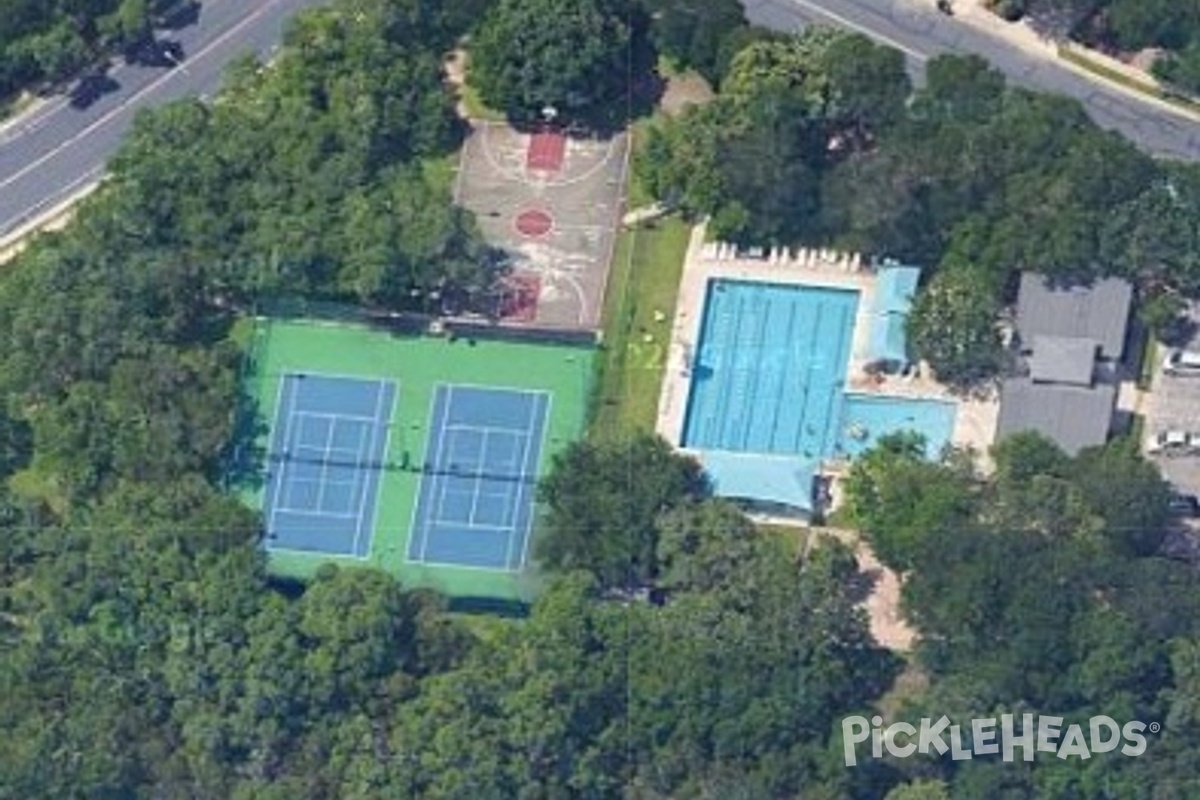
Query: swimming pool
867, 418
770, 368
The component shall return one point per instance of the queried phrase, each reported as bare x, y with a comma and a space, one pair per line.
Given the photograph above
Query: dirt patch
1144, 59
883, 604
880, 593
683, 90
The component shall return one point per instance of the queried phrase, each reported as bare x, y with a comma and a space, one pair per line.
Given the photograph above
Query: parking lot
1174, 404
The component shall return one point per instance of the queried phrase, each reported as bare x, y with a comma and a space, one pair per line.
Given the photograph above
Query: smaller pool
867, 418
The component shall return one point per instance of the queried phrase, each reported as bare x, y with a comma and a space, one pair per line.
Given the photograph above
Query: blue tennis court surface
475, 504
770, 368
327, 450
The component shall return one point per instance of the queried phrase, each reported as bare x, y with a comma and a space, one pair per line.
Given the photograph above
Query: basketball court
552, 202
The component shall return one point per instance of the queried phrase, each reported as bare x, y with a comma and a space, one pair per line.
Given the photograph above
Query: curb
53, 219
1075, 58
1145, 89
18, 118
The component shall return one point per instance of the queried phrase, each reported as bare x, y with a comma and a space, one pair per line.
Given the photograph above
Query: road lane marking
124, 106
855, 26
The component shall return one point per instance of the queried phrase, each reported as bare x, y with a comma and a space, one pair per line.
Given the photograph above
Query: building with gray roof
1099, 312
1074, 417
1066, 335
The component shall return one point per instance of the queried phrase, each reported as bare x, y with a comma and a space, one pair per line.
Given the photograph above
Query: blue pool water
770, 369
769, 377
867, 418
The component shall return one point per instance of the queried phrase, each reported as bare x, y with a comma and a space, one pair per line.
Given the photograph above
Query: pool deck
975, 419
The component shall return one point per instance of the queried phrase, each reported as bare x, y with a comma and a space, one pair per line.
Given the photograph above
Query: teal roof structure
784, 480
895, 287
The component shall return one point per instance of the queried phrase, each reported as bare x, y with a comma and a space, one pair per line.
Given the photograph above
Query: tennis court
337, 460
324, 462
475, 505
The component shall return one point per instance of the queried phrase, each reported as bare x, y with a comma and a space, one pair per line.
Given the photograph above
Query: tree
920, 790
692, 32
1165, 316
1154, 238
703, 547
1182, 69
604, 501
869, 86
960, 89
754, 160
1128, 492
1136, 24
902, 502
571, 56
953, 327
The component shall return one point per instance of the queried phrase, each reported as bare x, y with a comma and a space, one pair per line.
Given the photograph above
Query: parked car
1185, 505
1182, 362
1175, 443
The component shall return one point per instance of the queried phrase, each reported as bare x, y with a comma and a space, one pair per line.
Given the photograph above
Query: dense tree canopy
571, 55
145, 653
697, 34
816, 139
50, 40
604, 500
753, 160
953, 327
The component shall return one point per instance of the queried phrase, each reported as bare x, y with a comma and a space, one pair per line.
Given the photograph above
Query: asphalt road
61, 148
922, 34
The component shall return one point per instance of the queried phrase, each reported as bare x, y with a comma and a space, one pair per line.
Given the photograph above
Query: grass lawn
636, 195
645, 278
1148, 87
16, 104
1149, 363
442, 171
798, 536
475, 107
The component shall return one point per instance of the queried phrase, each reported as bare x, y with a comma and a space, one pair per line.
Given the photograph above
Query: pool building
788, 373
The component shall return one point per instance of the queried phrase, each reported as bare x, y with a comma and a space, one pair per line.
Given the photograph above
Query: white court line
479, 526
335, 417
527, 474
481, 387
387, 444
325, 466
868, 32
439, 489
521, 176
510, 464
418, 504
489, 429
437, 477
478, 487
272, 447
363, 483
519, 495
287, 434
301, 512
335, 454
470, 567
358, 474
